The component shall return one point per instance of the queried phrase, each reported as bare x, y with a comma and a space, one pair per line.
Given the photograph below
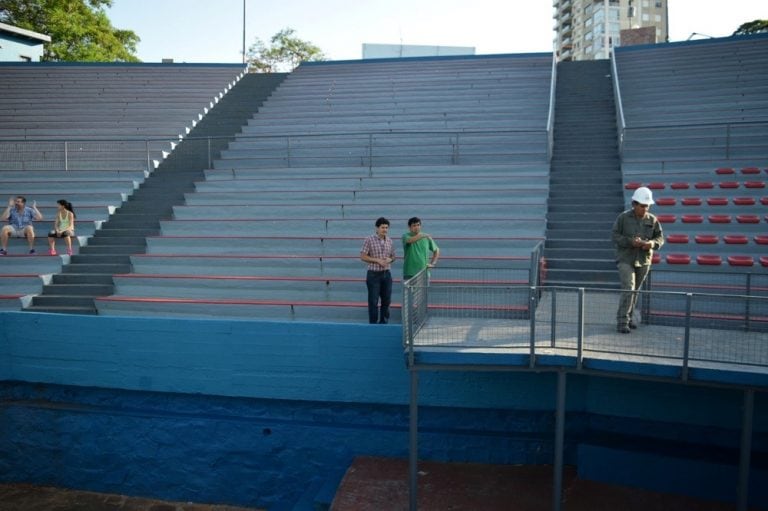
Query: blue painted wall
260, 413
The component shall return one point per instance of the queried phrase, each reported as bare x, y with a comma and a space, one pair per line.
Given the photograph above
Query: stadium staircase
90, 272
585, 193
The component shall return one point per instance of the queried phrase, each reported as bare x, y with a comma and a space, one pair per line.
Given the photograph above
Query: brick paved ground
26, 497
380, 484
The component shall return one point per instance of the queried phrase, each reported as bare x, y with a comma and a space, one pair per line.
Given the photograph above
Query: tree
80, 29
285, 53
752, 27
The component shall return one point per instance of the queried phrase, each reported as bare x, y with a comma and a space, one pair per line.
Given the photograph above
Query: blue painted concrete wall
260, 413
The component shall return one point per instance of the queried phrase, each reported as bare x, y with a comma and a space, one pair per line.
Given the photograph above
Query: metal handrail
617, 99
551, 113
688, 326
147, 149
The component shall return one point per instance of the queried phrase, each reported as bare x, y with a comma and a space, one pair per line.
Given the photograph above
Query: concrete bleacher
109, 114
276, 227
696, 133
694, 105
83, 133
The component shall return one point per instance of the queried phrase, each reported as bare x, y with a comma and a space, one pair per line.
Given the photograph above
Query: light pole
243, 31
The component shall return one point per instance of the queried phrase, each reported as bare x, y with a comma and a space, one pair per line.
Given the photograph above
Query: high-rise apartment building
588, 29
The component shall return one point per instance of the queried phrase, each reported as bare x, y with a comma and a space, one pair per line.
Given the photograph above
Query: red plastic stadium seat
744, 201
764, 201
666, 201
761, 239
750, 170
740, 260
706, 259
691, 201
633, 185
754, 184
724, 170
692, 219
705, 185
736, 239
656, 186
666, 219
729, 184
719, 219
655, 258
677, 238
748, 219
679, 186
717, 201
707, 238
764, 260
678, 259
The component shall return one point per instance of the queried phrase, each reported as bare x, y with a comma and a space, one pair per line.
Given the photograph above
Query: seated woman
63, 227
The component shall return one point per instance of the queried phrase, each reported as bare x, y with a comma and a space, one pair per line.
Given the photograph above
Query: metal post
687, 338
553, 318
746, 449
557, 486
146, 149
748, 311
413, 450
210, 159
243, 31
288, 150
66, 155
532, 316
580, 334
370, 154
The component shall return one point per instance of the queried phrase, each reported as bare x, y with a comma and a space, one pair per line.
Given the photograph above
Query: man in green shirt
420, 249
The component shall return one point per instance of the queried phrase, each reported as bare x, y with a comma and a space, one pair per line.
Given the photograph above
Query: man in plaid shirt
379, 253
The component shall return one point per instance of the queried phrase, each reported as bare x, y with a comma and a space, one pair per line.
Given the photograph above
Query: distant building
588, 29
388, 51
21, 45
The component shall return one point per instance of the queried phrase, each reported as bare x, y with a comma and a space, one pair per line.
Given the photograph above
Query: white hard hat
643, 195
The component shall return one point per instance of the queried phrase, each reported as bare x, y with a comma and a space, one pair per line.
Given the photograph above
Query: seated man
20, 218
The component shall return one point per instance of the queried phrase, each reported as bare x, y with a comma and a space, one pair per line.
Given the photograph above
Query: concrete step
587, 265
62, 309
96, 268
81, 302
82, 278
83, 289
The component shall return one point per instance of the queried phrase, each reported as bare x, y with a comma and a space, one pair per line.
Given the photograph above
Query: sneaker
32, 252
632, 325
623, 329
69, 251
3, 252
52, 251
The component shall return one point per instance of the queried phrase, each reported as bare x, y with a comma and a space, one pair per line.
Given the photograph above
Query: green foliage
752, 27
285, 53
80, 29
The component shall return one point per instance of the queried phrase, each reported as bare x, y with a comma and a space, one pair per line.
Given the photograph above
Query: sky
212, 30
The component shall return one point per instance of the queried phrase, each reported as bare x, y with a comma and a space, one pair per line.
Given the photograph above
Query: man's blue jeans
379, 287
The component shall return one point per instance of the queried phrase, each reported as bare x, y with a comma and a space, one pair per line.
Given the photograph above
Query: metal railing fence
677, 329
364, 149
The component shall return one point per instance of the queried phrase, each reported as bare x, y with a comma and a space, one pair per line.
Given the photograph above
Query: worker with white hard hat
636, 234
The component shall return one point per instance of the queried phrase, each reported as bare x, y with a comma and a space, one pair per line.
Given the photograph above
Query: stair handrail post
210, 156
146, 150
66, 155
